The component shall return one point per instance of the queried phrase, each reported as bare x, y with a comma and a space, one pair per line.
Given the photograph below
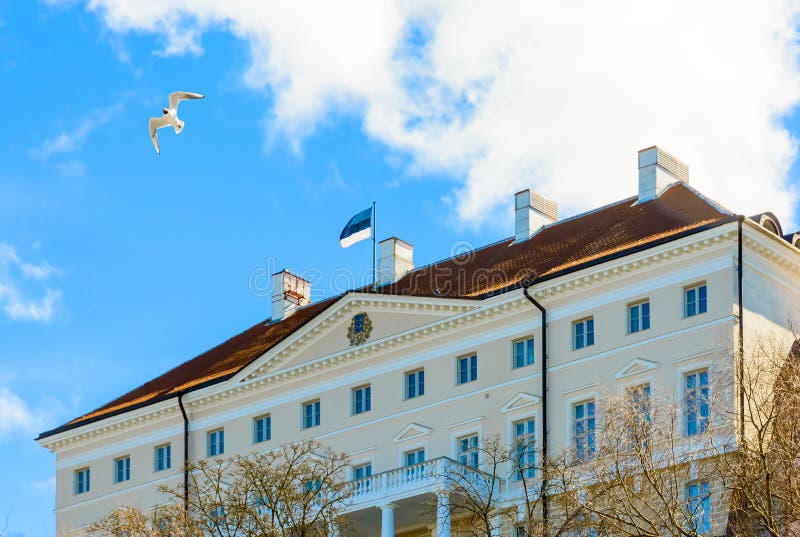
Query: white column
387, 519
442, 515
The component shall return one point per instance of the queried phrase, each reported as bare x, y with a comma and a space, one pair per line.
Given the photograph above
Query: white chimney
289, 292
657, 170
395, 258
531, 213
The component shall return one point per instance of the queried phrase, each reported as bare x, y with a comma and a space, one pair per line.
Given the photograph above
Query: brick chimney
289, 292
658, 170
532, 212
395, 258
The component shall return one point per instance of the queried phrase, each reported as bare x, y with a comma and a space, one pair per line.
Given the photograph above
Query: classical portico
406, 499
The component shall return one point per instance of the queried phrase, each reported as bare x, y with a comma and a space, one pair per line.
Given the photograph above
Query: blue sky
116, 264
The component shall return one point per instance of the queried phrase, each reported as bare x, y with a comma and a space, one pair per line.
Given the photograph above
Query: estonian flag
357, 229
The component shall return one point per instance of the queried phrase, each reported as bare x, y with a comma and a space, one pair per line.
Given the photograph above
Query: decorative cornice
645, 260
774, 249
65, 440
465, 313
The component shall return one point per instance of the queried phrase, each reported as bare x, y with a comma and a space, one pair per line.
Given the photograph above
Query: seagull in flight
170, 116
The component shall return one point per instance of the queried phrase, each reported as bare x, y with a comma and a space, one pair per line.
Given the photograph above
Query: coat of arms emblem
360, 329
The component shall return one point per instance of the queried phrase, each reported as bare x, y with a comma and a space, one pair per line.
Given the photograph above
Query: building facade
645, 291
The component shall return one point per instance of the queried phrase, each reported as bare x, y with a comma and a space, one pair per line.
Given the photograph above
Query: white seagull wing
155, 124
177, 96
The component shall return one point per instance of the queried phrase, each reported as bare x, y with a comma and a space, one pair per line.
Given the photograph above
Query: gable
521, 400
337, 329
381, 324
411, 431
634, 367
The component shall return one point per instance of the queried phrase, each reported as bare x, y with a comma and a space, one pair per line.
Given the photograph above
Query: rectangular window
362, 472
468, 450
81, 481
639, 397
695, 300
415, 383
311, 414
583, 430
583, 333
122, 469
698, 504
524, 442
638, 317
523, 352
413, 461
215, 444
415, 456
362, 399
639, 404
163, 457
467, 369
696, 401
262, 429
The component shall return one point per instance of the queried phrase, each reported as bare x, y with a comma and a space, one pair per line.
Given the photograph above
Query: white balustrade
426, 477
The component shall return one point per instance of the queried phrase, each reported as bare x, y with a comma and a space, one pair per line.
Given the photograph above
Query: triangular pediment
330, 334
634, 367
411, 431
521, 400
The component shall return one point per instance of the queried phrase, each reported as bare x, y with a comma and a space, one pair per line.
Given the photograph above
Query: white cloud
16, 415
19, 418
42, 309
555, 95
16, 277
72, 140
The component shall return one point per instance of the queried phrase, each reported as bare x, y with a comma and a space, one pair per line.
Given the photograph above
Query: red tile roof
614, 230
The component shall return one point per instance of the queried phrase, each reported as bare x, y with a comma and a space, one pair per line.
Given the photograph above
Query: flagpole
374, 247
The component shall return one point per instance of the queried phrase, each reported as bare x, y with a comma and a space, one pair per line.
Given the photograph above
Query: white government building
637, 292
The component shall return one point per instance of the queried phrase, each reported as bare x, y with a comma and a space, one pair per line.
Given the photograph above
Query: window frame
703, 497
703, 422
77, 480
417, 383
590, 435
528, 348
583, 321
644, 386
698, 301
471, 371
366, 399
218, 434
640, 317
473, 452
167, 457
316, 413
126, 469
266, 428
414, 449
530, 450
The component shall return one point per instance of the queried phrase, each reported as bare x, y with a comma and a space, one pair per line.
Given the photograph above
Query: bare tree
475, 495
648, 468
501, 487
297, 490
763, 472
164, 521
